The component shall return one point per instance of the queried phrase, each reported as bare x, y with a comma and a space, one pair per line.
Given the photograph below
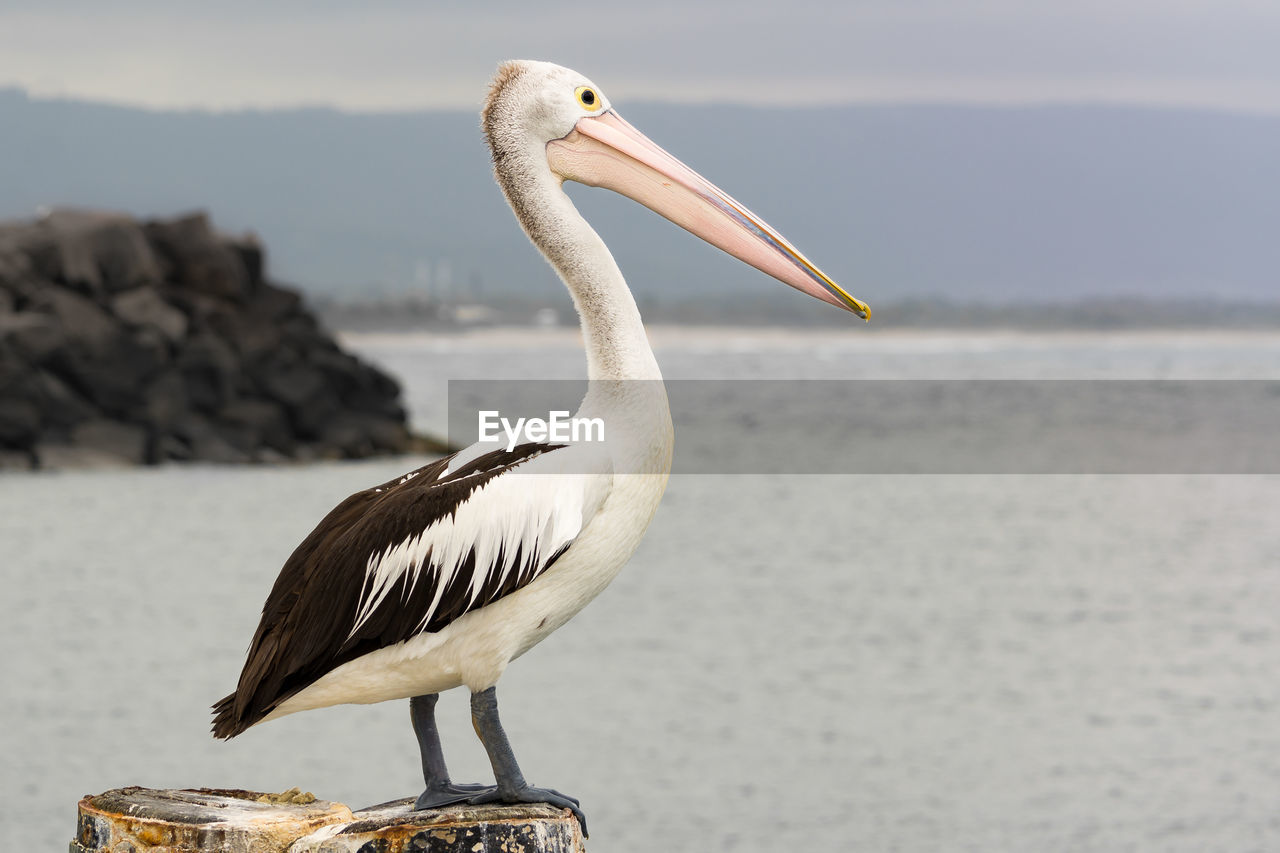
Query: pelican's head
539, 113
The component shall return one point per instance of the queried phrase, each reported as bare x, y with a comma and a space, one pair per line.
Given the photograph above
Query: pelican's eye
588, 98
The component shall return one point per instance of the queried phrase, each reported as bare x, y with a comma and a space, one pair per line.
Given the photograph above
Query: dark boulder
357, 435
265, 423
51, 257
90, 329
145, 307
128, 442
271, 303
205, 440
252, 257
165, 399
17, 278
35, 404
209, 368
36, 337
258, 330
90, 251
199, 258
110, 247
311, 416
284, 376
60, 405
361, 387
96, 354
19, 421
128, 343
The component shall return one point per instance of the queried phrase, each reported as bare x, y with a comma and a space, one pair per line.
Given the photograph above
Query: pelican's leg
440, 791
511, 785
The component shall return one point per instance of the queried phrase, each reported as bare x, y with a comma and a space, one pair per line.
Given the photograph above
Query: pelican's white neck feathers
520, 117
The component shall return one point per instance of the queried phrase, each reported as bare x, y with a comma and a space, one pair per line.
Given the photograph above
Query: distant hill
1005, 204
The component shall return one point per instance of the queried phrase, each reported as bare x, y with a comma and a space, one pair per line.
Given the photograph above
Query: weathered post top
134, 820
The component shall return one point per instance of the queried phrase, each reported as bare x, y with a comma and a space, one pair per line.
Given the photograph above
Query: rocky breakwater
128, 342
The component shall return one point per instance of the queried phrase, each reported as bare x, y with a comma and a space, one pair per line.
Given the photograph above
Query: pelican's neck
616, 343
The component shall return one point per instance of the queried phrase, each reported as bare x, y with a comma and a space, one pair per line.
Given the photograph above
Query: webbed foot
449, 794
530, 794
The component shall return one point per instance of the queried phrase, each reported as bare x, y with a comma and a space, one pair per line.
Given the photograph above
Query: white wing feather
535, 510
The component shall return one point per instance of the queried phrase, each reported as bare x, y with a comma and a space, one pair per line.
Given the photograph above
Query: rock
100, 357
113, 245
208, 313
114, 380
170, 448
126, 441
19, 422
208, 367
358, 435
65, 261
265, 422
198, 258
96, 331
60, 405
252, 258
15, 395
90, 250
205, 441
60, 456
312, 417
123, 343
258, 331
146, 307
17, 460
267, 456
285, 377
165, 399
35, 404
362, 387
17, 279
34, 336
271, 302
125, 258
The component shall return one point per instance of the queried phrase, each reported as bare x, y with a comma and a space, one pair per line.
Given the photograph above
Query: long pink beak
606, 151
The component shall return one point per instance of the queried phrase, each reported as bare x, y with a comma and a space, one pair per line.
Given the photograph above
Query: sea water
855, 662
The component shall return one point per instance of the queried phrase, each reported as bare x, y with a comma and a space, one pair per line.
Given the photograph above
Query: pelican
442, 577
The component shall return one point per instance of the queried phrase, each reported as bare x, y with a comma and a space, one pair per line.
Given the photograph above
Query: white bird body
606, 492
441, 578
474, 650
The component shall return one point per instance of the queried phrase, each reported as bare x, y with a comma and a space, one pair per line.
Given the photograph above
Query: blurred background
236, 234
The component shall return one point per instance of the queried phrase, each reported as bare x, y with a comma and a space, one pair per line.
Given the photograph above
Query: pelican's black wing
403, 558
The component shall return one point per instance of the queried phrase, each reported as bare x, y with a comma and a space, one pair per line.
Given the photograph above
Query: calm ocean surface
908, 663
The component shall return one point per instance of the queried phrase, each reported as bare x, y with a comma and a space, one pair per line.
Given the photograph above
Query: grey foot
529, 794
450, 794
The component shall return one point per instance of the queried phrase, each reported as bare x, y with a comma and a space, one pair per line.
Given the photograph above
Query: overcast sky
405, 54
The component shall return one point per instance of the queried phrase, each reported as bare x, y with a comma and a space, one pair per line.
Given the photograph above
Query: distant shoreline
927, 315
673, 334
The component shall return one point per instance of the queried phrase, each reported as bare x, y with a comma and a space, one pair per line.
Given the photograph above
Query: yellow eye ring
587, 98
